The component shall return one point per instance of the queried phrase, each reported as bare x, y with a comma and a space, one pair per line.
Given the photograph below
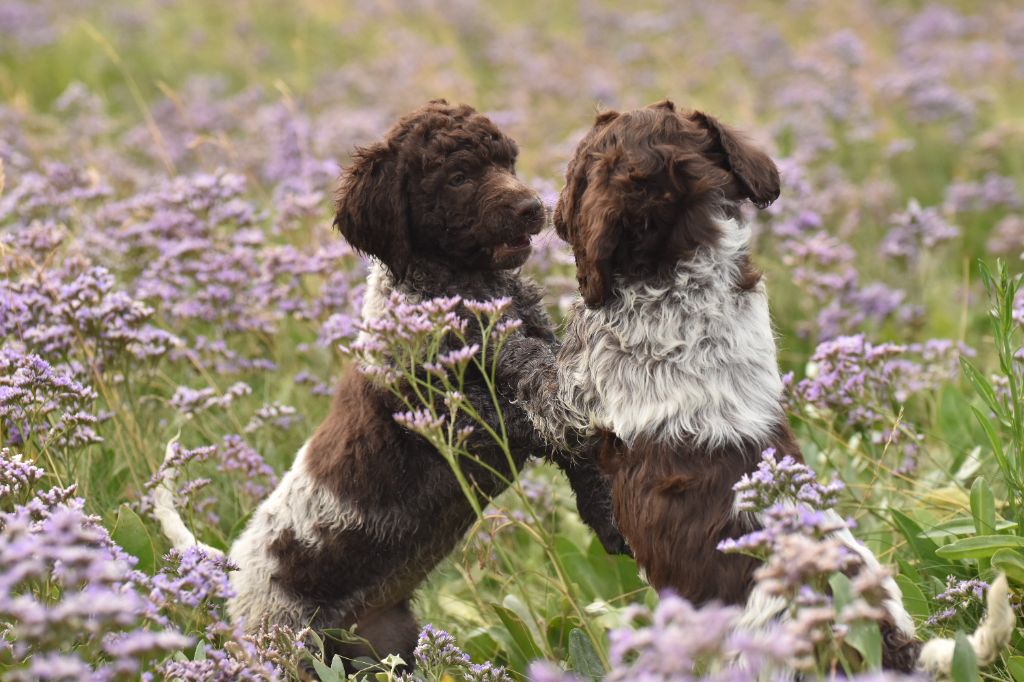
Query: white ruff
692, 359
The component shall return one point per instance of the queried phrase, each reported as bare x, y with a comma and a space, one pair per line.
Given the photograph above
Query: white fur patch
692, 359
302, 506
375, 299
893, 603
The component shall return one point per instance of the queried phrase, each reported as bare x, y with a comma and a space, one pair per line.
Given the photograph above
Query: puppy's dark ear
594, 249
576, 178
370, 207
755, 172
597, 229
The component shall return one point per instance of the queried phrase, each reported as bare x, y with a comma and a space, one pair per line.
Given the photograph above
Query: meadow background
168, 267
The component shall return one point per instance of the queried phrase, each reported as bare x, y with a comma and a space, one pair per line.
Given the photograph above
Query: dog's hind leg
388, 630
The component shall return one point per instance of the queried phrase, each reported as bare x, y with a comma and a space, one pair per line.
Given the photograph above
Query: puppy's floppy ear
576, 178
370, 207
597, 231
755, 172
597, 244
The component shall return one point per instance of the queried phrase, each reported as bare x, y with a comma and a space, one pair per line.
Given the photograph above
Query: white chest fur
694, 357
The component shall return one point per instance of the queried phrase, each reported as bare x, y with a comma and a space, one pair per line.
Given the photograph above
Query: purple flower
914, 230
436, 650
16, 475
787, 479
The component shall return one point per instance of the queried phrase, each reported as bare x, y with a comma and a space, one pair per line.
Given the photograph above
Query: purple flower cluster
959, 596
64, 582
44, 404
17, 477
863, 386
775, 481
438, 657
915, 230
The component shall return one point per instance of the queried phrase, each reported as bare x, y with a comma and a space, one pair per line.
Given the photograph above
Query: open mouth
513, 247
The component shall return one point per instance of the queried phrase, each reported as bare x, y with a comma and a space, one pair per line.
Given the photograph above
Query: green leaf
131, 535
326, 674
914, 600
480, 645
981, 385
965, 666
980, 547
983, 507
923, 548
578, 568
583, 656
1015, 666
521, 635
558, 630
1011, 563
863, 635
993, 440
962, 525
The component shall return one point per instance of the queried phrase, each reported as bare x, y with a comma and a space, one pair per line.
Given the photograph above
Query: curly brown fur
673, 357
369, 508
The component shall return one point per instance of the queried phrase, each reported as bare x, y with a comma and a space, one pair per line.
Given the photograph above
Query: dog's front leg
531, 365
593, 496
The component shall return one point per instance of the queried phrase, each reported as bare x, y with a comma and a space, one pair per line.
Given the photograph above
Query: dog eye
457, 179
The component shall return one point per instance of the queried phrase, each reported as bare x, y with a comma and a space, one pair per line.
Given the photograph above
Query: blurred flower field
168, 268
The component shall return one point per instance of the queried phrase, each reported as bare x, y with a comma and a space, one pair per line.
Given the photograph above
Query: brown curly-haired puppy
670, 357
369, 508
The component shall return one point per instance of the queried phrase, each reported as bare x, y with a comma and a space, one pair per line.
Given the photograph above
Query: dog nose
527, 206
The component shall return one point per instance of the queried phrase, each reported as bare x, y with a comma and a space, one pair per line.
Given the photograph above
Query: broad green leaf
913, 598
980, 547
1015, 666
131, 535
863, 635
578, 568
962, 525
558, 630
583, 657
965, 666
909, 571
923, 548
1011, 563
521, 635
324, 673
480, 645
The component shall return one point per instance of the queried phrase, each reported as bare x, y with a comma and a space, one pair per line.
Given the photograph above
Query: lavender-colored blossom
437, 650
274, 414
916, 229
16, 475
994, 191
196, 580
958, 597
421, 421
784, 479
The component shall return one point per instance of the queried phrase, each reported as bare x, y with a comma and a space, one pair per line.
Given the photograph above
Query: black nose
529, 206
